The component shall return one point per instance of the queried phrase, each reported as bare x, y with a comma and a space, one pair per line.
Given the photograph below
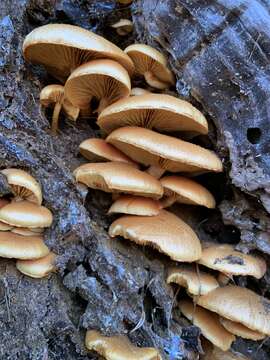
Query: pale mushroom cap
99, 150
208, 323
165, 232
240, 305
164, 113
241, 330
26, 214
22, 247
136, 91
37, 268
187, 191
196, 282
123, 27
24, 231
135, 205
118, 347
51, 94
3, 226
229, 261
151, 148
99, 79
215, 353
61, 48
118, 177
23, 185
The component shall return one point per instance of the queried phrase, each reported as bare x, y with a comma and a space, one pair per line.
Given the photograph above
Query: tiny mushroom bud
135, 205
241, 330
118, 347
152, 64
123, 27
136, 91
165, 232
37, 268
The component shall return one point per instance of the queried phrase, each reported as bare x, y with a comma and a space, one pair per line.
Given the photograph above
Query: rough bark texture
218, 51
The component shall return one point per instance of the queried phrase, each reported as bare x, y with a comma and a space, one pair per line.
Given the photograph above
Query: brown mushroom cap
123, 27
187, 191
214, 353
117, 177
225, 259
61, 48
165, 232
118, 347
161, 112
37, 268
26, 214
99, 150
22, 247
23, 185
240, 305
136, 91
168, 153
208, 323
241, 330
197, 283
152, 64
135, 205
105, 80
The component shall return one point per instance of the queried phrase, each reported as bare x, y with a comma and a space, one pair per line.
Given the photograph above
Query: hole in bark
254, 135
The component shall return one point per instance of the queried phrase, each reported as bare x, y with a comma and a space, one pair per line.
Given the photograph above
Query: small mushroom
163, 152
98, 150
152, 64
240, 305
54, 95
125, 2
160, 112
136, 91
23, 185
37, 268
165, 232
135, 205
214, 353
22, 247
241, 330
104, 80
209, 324
118, 347
3, 226
123, 27
26, 214
117, 177
225, 259
61, 48
196, 282
25, 231
185, 191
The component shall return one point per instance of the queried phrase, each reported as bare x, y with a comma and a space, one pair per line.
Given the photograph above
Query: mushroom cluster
22, 222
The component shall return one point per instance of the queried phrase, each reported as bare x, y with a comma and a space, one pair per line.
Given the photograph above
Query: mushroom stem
155, 171
154, 82
55, 117
102, 105
224, 279
167, 201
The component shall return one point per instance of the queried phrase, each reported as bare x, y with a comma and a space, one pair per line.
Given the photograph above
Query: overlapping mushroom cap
104, 80
152, 64
166, 232
123, 27
117, 177
240, 305
136, 91
61, 48
229, 261
37, 268
4, 226
214, 353
118, 347
161, 112
135, 205
241, 330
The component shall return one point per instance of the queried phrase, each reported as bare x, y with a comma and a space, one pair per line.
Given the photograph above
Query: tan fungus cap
37, 268
214, 353
123, 27
135, 205
3, 226
136, 91
241, 330
26, 231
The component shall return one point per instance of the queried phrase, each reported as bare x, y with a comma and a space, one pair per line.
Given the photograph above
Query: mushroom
165, 232
163, 152
160, 112
37, 268
25, 231
3, 226
125, 2
118, 347
61, 48
136, 91
152, 64
214, 353
26, 214
208, 323
225, 259
186, 191
241, 330
22, 247
99, 150
23, 185
135, 205
240, 305
105, 80
54, 95
123, 27
196, 282
117, 177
